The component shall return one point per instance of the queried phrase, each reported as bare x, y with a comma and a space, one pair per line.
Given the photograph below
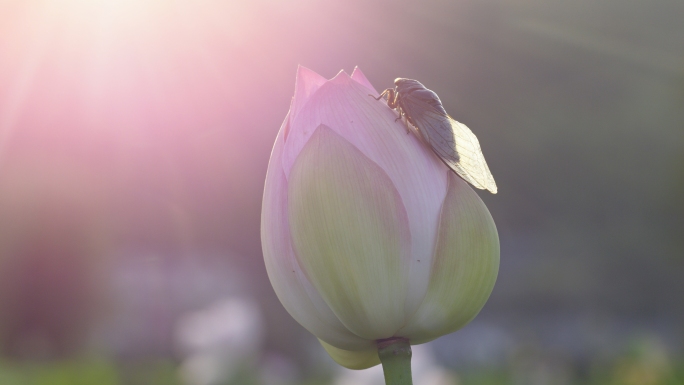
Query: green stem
395, 355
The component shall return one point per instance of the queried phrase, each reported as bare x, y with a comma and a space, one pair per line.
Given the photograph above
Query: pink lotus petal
350, 233
294, 290
306, 85
361, 79
420, 177
464, 269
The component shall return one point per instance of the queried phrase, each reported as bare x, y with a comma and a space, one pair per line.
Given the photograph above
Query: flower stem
395, 355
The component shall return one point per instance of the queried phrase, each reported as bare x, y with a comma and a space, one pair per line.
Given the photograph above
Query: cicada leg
393, 103
391, 97
385, 92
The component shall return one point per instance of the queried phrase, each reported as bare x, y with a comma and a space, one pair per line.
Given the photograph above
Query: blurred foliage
89, 372
59, 373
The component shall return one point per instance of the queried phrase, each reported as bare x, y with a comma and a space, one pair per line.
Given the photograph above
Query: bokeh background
135, 137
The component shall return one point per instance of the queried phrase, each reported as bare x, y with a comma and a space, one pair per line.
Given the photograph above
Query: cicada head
408, 85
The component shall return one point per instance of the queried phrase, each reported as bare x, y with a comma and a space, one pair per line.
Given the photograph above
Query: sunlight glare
115, 63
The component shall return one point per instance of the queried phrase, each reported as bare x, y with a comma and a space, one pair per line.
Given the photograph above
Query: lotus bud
366, 234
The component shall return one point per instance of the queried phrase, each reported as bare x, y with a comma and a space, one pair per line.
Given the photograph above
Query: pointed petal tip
305, 70
308, 78
341, 78
306, 84
360, 78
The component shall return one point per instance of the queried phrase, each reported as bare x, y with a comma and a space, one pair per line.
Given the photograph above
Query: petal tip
306, 84
304, 73
341, 78
360, 78
307, 80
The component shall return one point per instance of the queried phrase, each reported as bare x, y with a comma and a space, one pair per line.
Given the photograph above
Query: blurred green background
134, 141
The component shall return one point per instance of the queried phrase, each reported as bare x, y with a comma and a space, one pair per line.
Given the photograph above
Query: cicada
452, 141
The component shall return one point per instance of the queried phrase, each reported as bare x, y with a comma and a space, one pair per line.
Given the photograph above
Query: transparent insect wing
452, 141
471, 165
415, 100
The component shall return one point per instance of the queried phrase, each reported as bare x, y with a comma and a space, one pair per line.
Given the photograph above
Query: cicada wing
471, 165
456, 145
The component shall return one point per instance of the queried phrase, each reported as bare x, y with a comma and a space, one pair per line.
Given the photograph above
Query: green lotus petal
356, 360
464, 268
350, 234
294, 290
